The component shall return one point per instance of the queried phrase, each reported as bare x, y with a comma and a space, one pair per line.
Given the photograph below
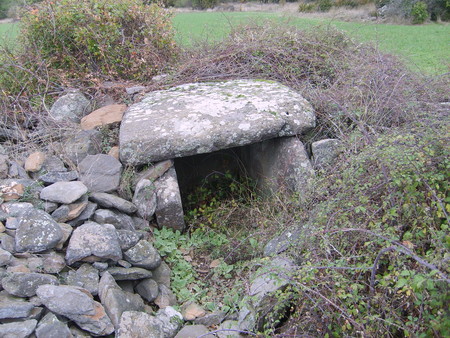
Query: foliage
176, 248
122, 39
419, 12
204, 4
4, 7
381, 236
324, 5
164, 3
306, 7
204, 205
436, 9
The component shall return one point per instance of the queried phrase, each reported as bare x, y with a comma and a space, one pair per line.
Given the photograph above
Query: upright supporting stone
278, 164
169, 209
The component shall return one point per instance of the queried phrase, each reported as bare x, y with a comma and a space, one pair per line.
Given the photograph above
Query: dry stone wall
77, 260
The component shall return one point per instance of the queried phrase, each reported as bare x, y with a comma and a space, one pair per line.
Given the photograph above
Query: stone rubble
77, 260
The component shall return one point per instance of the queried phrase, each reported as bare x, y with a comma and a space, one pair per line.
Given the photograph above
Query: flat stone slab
205, 117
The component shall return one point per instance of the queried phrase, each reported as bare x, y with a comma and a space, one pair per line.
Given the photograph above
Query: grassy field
424, 48
8, 31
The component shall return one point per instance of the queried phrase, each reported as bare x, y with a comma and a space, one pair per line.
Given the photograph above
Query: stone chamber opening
205, 179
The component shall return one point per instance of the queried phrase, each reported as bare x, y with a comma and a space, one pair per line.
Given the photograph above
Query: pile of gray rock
77, 260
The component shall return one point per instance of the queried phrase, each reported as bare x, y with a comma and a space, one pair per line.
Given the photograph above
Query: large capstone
205, 117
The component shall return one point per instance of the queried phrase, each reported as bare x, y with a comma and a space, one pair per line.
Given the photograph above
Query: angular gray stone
5, 257
99, 240
129, 273
71, 106
325, 151
51, 327
83, 143
78, 305
111, 201
58, 176
205, 117
24, 284
18, 329
100, 173
172, 320
86, 214
114, 217
67, 231
165, 297
280, 164
64, 192
134, 324
169, 209
162, 274
37, 232
229, 329
141, 224
128, 238
61, 214
148, 289
164, 324
16, 209
15, 309
282, 242
68, 212
85, 277
194, 331
78, 333
145, 198
258, 307
115, 300
7, 244
3, 166
53, 164
134, 90
210, 319
49, 207
17, 171
143, 255
53, 262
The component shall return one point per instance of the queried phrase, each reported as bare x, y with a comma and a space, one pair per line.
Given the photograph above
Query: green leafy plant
124, 38
306, 7
324, 5
419, 12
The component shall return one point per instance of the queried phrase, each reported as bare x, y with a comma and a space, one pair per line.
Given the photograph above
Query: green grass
424, 48
8, 32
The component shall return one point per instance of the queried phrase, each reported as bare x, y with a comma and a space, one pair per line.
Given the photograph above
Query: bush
436, 9
204, 4
4, 7
324, 5
419, 12
305, 7
118, 38
375, 262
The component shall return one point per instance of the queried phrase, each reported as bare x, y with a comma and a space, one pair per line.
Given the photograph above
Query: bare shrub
350, 85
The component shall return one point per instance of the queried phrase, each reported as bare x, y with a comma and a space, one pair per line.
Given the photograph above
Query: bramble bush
376, 259
121, 39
